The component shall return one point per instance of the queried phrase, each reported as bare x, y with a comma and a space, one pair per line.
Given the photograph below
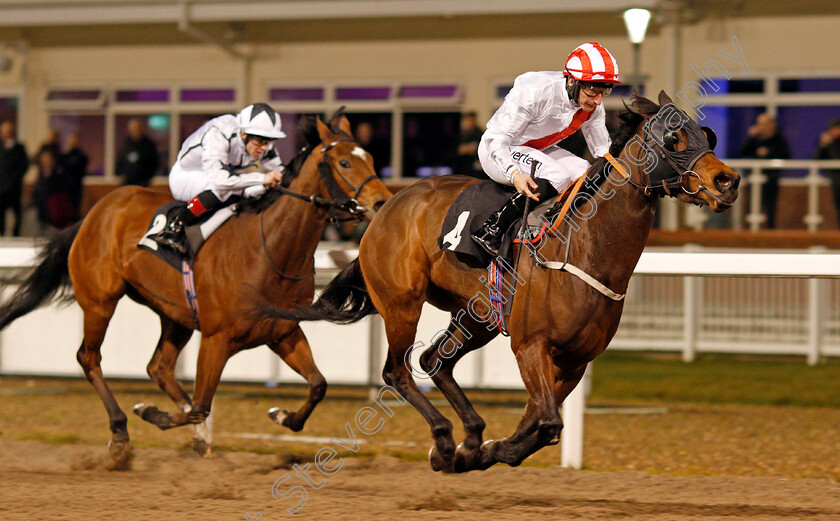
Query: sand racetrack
69, 482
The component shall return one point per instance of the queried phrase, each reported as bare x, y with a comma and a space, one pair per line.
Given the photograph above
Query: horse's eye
344, 163
670, 140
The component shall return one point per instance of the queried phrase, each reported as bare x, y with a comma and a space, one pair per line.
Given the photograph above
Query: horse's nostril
377, 205
725, 182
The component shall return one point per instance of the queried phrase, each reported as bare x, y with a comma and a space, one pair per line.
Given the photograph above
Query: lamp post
636, 21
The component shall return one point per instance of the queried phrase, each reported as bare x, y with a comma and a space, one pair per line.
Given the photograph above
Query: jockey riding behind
205, 173
542, 109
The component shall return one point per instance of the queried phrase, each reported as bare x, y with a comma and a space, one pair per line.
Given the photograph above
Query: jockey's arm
272, 164
521, 107
596, 134
215, 158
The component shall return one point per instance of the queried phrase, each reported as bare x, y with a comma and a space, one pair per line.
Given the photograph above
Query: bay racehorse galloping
558, 323
269, 249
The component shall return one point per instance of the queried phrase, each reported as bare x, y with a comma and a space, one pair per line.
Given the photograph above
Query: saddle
160, 220
474, 205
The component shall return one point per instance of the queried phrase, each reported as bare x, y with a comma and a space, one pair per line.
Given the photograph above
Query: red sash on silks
580, 117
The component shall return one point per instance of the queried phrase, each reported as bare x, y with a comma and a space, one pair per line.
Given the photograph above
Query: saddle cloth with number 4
466, 215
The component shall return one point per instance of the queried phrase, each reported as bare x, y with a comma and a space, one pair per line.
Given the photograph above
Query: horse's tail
344, 300
49, 280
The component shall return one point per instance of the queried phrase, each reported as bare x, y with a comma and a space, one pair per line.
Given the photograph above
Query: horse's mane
638, 109
307, 128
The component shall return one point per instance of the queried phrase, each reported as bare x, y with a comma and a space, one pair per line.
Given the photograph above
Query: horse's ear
324, 131
664, 99
344, 125
643, 106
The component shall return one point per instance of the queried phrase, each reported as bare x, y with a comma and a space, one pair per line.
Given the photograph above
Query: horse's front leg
541, 424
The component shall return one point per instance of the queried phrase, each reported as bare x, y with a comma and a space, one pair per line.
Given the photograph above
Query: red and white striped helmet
592, 62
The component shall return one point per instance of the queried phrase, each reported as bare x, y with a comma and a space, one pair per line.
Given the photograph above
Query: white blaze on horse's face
360, 152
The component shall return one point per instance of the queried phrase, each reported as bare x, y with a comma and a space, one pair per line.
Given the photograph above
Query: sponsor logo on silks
525, 159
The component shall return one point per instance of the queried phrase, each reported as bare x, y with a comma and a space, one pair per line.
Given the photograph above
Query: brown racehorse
558, 323
270, 251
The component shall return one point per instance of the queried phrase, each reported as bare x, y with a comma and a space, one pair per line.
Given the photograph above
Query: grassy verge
622, 377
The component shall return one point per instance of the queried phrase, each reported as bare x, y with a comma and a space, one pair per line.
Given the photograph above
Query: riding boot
198, 209
174, 235
489, 237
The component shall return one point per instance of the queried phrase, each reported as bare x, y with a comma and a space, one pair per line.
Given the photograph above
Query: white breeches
186, 184
559, 166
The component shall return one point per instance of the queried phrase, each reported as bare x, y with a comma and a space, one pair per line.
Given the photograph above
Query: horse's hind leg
89, 357
401, 327
463, 336
294, 350
212, 357
161, 369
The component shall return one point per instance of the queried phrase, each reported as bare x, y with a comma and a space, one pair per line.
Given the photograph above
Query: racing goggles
593, 89
261, 141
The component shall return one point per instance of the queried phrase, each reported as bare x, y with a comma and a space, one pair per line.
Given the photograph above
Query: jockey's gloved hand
273, 178
524, 184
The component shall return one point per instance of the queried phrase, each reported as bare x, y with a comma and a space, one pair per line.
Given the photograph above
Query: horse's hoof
437, 462
464, 458
139, 408
201, 447
277, 414
284, 417
121, 454
484, 458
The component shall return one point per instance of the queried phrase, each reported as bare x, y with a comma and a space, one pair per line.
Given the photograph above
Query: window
91, 130
430, 143
410, 129
289, 146
803, 106
9, 109
802, 126
373, 132
733, 86
154, 126
730, 125
101, 116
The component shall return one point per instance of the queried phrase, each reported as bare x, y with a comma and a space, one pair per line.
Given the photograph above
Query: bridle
329, 180
670, 173
340, 201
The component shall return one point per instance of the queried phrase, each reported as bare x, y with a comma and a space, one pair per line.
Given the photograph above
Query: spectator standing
52, 143
764, 141
467, 162
138, 161
75, 163
829, 148
52, 194
13, 165
379, 150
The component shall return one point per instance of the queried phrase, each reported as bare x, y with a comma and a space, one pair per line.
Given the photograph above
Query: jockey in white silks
206, 171
542, 109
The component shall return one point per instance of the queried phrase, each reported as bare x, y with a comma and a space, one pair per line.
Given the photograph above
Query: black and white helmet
260, 120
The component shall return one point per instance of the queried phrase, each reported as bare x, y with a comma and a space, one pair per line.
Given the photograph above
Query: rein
273, 267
